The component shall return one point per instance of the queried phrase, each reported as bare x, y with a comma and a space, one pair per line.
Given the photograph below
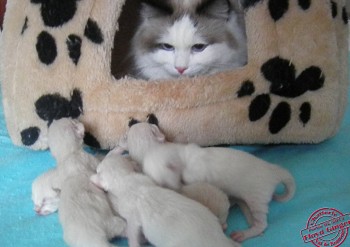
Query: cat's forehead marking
182, 33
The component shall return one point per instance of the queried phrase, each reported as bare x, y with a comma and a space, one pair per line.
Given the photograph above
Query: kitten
238, 174
188, 38
84, 211
211, 197
165, 217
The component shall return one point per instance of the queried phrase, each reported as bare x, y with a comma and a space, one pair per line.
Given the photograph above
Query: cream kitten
188, 38
165, 217
84, 211
211, 197
238, 174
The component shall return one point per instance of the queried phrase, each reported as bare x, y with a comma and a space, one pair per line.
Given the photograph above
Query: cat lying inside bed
165, 217
188, 38
237, 173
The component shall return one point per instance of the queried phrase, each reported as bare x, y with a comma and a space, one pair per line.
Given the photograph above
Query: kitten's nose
181, 70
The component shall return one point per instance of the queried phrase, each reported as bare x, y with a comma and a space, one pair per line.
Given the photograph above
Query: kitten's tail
289, 186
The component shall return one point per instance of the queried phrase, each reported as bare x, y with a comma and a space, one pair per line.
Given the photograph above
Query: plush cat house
58, 61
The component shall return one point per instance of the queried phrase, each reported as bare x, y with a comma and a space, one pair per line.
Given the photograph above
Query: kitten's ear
157, 134
96, 180
78, 128
219, 9
123, 142
58, 191
155, 8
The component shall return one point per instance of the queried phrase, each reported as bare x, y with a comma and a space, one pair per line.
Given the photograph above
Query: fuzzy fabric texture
56, 62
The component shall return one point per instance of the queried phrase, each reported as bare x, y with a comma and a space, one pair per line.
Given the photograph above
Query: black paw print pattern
281, 74
335, 11
55, 14
52, 107
277, 8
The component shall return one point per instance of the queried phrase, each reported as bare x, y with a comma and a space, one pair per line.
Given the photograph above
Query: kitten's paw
49, 206
43, 211
118, 226
238, 236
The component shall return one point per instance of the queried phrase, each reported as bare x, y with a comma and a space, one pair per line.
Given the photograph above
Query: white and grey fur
165, 217
238, 174
188, 38
85, 213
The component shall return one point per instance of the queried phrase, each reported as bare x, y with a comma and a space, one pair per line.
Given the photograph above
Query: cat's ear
219, 9
155, 8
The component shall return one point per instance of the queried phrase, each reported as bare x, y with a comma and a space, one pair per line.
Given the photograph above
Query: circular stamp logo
326, 227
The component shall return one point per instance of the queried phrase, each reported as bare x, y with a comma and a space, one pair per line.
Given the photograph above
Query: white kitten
237, 173
45, 195
188, 38
165, 217
85, 214
84, 211
211, 197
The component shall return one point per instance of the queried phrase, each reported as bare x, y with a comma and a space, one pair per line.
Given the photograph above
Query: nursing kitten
165, 217
249, 180
188, 38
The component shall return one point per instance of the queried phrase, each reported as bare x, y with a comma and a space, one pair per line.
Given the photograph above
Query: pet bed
57, 61
207, 110
321, 172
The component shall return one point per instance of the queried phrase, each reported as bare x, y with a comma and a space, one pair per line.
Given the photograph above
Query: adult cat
188, 38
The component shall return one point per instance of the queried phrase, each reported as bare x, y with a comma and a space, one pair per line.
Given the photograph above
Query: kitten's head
65, 137
112, 169
187, 38
140, 138
44, 197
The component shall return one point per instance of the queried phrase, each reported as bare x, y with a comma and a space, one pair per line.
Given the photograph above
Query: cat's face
181, 50
188, 44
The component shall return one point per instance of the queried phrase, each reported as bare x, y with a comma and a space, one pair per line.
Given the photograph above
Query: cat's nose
181, 70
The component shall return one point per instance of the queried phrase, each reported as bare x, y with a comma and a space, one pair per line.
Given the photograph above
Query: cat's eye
198, 47
166, 46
